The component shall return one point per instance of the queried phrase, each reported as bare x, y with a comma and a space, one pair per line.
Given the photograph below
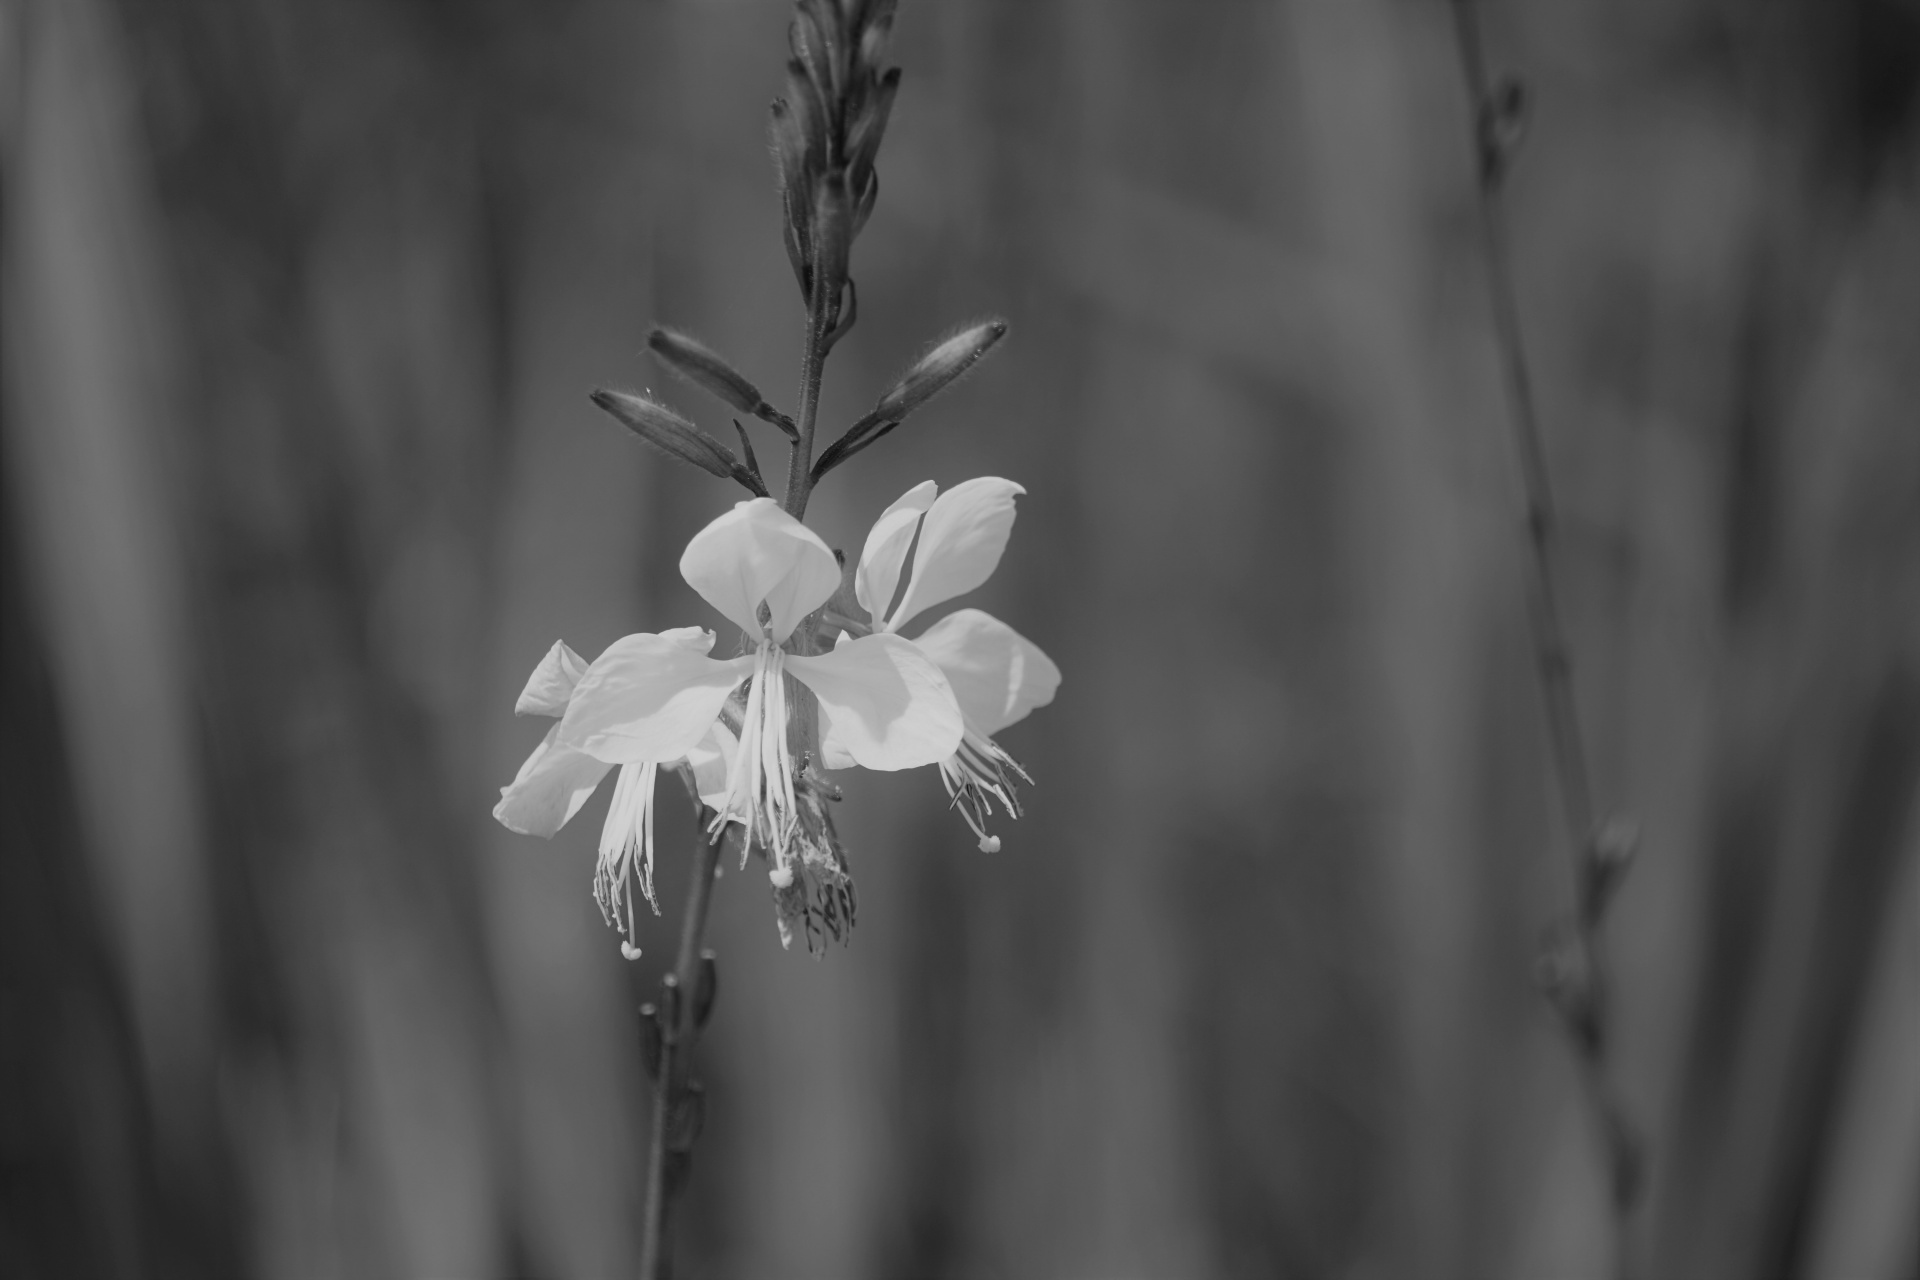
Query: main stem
679, 992
800, 458
1552, 659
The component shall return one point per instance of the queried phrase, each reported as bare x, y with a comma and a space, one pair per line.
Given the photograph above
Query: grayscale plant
825, 678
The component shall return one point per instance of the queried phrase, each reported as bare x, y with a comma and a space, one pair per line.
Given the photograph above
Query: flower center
760, 781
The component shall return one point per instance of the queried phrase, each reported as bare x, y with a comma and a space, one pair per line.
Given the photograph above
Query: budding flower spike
753, 736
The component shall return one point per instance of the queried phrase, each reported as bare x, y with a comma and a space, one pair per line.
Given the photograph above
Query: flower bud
705, 368
938, 369
674, 436
832, 240
863, 139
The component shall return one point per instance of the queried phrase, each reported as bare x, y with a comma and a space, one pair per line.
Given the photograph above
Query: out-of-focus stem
680, 996
1584, 1007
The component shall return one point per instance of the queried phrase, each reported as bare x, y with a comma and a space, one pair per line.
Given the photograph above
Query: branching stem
1577, 977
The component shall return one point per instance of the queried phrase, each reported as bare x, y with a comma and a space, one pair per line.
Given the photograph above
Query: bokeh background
302, 302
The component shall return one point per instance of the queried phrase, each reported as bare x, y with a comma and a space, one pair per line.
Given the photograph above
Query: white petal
884, 703
832, 754
709, 761
550, 788
757, 552
551, 683
960, 543
650, 697
886, 551
997, 674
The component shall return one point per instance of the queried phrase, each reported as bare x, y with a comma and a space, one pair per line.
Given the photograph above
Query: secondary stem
679, 995
1551, 652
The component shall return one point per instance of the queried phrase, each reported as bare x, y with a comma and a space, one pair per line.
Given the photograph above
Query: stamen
626, 851
760, 794
976, 774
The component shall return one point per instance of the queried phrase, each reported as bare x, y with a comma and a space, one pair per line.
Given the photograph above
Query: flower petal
883, 702
886, 551
551, 683
832, 754
709, 762
650, 697
550, 787
960, 543
997, 674
757, 552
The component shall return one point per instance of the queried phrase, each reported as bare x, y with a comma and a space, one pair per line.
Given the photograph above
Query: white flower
997, 674
557, 779
657, 698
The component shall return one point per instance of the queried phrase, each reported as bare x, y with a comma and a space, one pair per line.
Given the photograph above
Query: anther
989, 844
630, 951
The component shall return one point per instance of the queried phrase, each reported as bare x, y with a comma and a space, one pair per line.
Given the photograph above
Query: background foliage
302, 300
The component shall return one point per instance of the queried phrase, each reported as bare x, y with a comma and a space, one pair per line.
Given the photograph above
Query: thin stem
679, 996
1583, 999
800, 457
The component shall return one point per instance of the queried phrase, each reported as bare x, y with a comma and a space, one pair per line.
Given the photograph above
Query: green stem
1552, 654
800, 458
679, 993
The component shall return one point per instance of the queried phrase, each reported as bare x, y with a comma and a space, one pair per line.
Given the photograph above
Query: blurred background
302, 300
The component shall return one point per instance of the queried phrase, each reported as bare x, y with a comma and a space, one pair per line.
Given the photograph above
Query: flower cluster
752, 733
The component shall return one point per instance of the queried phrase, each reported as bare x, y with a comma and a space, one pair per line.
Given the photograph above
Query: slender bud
863, 139
938, 369
832, 241
705, 368
674, 436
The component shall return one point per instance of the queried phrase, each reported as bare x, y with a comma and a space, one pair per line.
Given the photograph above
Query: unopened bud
666, 431
832, 240
863, 139
674, 436
938, 369
704, 367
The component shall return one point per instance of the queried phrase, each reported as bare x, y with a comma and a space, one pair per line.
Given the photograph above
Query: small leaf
746, 449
